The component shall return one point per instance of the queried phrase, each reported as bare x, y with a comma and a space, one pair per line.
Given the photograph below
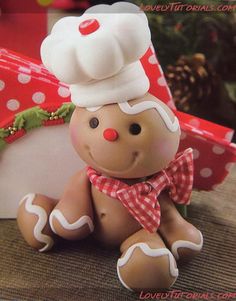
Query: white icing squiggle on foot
66, 225
149, 252
186, 244
41, 223
121, 280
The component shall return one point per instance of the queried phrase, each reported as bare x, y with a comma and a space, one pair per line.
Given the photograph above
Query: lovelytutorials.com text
180, 295
184, 7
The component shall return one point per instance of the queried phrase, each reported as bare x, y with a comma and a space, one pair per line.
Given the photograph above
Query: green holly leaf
4, 133
34, 118
68, 116
41, 114
65, 111
19, 121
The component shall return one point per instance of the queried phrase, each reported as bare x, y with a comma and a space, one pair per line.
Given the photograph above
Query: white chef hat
98, 54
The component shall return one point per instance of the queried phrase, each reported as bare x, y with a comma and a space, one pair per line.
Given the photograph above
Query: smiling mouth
134, 160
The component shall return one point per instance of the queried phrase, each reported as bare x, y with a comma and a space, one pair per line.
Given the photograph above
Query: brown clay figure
129, 139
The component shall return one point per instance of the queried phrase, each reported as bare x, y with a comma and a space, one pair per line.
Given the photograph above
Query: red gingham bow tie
141, 199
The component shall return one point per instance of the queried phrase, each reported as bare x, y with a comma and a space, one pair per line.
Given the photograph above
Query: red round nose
110, 134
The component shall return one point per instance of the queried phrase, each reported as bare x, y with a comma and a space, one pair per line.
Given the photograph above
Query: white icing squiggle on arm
125, 107
84, 220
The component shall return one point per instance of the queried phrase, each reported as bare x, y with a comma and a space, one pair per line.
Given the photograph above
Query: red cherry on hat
110, 134
88, 26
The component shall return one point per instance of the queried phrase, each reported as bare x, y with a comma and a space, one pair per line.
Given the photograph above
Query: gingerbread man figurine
129, 139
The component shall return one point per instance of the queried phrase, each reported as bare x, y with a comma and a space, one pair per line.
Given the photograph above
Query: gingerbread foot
183, 239
33, 221
185, 249
147, 264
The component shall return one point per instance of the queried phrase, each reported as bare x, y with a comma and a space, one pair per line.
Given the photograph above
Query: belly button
102, 215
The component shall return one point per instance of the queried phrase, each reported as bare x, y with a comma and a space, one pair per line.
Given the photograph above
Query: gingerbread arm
72, 218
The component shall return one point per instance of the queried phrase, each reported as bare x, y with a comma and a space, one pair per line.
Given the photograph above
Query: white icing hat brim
128, 84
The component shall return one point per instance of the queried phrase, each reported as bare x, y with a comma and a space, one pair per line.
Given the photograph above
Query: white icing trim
42, 221
93, 109
66, 225
121, 280
152, 253
186, 244
145, 105
125, 107
149, 252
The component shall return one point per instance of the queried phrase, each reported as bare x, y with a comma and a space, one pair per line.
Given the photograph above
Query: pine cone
191, 80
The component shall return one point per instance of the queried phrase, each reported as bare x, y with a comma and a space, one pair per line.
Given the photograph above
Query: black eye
93, 123
135, 129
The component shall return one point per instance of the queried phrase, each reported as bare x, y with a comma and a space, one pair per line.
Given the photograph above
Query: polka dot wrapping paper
25, 84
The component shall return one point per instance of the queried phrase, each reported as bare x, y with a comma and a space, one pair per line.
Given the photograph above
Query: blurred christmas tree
178, 34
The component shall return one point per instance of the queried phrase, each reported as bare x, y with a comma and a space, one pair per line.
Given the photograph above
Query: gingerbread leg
183, 239
33, 221
146, 263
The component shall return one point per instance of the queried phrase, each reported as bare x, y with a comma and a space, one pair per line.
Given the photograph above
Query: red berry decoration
53, 122
88, 26
14, 135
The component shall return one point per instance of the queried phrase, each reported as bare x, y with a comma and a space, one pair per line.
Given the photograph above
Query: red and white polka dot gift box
214, 153
25, 83
35, 154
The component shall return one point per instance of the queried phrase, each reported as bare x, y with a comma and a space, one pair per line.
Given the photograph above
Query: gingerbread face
124, 145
